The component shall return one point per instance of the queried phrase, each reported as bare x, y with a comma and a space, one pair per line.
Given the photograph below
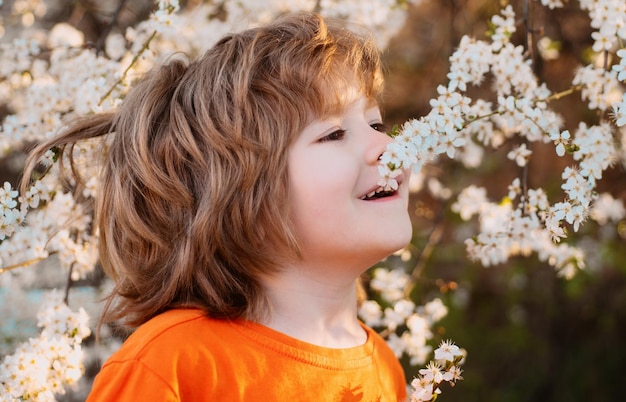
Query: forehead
342, 96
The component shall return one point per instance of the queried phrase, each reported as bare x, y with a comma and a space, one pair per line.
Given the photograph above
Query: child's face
333, 166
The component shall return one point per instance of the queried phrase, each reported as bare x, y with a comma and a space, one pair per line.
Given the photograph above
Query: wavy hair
192, 207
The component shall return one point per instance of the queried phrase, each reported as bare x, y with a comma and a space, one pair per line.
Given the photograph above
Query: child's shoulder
168, 355
176, 329
174, 320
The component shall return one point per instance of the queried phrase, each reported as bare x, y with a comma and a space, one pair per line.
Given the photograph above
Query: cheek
318, 193
320, 175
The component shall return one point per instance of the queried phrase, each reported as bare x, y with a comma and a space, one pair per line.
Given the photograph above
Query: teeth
373, 193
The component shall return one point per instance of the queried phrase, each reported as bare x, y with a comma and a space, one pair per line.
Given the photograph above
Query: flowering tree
49, 75
495, 100
526, 221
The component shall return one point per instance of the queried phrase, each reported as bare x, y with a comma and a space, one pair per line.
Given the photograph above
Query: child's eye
334, 136
379, 127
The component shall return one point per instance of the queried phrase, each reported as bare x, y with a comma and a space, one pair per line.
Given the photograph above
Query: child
238, 205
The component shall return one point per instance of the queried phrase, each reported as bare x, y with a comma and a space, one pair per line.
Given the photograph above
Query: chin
395, 239
400, 233
401, 243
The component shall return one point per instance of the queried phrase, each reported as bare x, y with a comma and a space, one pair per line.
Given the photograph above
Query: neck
315, 308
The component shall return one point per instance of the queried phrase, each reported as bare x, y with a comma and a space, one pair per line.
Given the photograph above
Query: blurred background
530, 336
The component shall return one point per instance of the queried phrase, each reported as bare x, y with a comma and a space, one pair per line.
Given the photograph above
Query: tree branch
68, 285
145, 47
22, 264
433, 239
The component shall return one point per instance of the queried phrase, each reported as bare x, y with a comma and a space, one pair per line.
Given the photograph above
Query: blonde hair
193, 201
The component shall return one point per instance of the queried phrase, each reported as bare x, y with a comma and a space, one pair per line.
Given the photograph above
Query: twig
21, 264
318, 6
567, 92
68, 285
524, 181
145, 47
453, 13
528, 25
433, 238
476, 118
531, 53
606, 67
109, 27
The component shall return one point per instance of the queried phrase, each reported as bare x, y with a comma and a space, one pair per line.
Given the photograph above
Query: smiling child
238, 206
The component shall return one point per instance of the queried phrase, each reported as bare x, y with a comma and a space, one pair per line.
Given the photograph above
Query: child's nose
377, 145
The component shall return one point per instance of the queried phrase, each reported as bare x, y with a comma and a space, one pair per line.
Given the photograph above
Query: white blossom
43, 366
520, 155
560, 140
607, 209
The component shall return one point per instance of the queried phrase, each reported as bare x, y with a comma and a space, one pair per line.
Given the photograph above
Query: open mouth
380, 192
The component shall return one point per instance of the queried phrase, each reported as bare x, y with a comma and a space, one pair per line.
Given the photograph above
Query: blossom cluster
54, 224
619, 108
446, 367
607, 18
42, 367
407, 328
10, 215
519, 113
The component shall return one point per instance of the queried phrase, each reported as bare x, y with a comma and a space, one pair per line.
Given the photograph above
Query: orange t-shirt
183, 355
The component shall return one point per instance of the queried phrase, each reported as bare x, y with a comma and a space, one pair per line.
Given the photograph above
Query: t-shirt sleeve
130, 380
